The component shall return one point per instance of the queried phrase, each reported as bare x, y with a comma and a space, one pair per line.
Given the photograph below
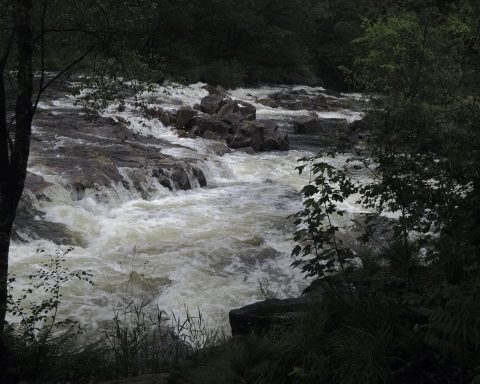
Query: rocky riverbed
186, 196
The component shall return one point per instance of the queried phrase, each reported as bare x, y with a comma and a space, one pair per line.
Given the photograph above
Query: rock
184, 116
182, 133
211, 135
268, 103
218, 90
167, 118
306, 124
248, 134
259, 317
208, 123
212, 103
248, 111
230, 106
180, 178
312, 125
200, 176
273, 138
300, 99
247, 150
234, 112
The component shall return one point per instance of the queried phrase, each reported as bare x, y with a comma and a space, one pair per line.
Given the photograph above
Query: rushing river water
207, 248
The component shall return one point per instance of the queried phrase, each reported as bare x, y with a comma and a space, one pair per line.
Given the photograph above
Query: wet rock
306, 124
300, 99
212, 103
248, 111
229, 106
184, 116
273, 138
234, 112
201, 124
248, 134
167, 118
312, 125
247, 150
268, 102
215, 90
182, 133
259, 317
200, 176
210, 135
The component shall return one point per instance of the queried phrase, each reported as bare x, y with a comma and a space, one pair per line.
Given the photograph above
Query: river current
207, 248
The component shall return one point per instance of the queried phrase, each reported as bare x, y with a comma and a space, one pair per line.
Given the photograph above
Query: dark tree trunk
14, 164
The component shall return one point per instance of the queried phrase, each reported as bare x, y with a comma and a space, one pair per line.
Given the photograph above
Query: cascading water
206, 248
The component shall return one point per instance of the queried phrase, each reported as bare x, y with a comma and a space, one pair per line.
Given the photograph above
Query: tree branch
60, 74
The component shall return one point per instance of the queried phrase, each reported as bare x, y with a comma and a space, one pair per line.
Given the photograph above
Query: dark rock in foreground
260, 317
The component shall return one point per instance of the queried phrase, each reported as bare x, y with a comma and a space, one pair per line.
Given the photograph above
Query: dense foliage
403, 308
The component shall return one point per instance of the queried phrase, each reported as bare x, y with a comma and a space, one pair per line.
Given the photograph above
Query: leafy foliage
41, 332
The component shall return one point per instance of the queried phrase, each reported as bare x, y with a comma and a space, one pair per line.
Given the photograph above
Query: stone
259, 317
208, 123
273, 138
312, 125
167, 118
212, 103
248, 111
248, 134
184, 116
200, 176
210, 135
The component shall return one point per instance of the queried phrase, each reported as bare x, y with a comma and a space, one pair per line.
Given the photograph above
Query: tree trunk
13, 178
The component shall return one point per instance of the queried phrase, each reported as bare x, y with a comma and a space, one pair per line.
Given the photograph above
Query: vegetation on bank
405, 309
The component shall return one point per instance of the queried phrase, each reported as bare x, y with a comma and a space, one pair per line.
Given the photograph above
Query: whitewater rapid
205, 248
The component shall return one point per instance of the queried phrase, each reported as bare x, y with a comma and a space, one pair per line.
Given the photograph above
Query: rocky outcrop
260, 317
212, 103
231, 121
312, 125
300, 99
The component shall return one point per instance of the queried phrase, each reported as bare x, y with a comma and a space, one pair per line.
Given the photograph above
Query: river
207, 247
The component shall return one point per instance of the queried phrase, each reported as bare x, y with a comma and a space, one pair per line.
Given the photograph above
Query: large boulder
238, 110
201, 124
312, 125
259, 317
184, 116
247, 134
248, 111
212, 103
273, 138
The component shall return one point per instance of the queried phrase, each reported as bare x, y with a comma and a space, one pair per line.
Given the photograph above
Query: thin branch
60, 74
